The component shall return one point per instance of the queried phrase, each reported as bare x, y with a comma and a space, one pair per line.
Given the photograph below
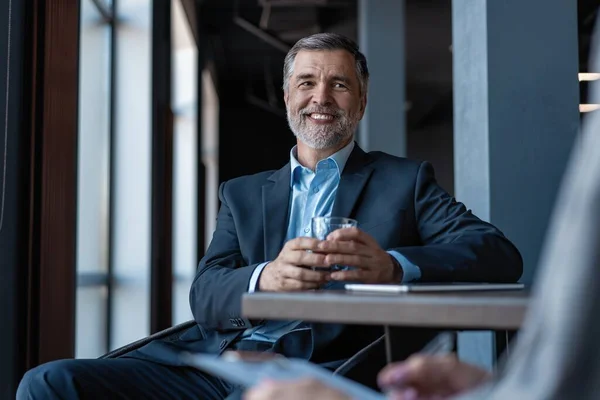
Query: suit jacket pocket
192, 334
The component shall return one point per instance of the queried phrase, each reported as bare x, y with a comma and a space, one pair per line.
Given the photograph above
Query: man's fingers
305, 274
347, 234
357, 261
302, 243
354, 275
290, 284
343, 247
305, 258
303, 252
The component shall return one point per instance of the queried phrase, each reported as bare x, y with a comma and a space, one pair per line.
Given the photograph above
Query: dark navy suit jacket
397, 201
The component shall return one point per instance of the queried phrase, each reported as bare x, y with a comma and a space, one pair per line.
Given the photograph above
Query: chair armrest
144, 341
359, 357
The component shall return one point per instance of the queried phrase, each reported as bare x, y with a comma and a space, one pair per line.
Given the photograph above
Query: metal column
516, 116
381, 39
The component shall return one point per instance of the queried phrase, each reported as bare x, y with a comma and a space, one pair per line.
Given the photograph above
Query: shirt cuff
411, 272
255, 275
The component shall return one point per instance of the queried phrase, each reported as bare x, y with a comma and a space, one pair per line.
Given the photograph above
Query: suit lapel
276, 198
276, 202
355, 176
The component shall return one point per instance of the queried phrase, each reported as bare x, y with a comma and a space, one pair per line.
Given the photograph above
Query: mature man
410, 230
556, 356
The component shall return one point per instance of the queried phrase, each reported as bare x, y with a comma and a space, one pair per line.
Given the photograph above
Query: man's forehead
324, 61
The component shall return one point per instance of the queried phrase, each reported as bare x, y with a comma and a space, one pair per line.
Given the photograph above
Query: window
185, 161
130, 260
210, 150
113, 221
115, 170
185, 99
93, 177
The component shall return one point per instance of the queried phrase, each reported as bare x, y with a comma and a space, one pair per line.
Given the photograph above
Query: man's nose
322, 96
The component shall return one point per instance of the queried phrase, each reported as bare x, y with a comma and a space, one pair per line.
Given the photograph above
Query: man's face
323, 99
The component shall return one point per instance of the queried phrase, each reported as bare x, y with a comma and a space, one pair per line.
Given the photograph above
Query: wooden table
502, 310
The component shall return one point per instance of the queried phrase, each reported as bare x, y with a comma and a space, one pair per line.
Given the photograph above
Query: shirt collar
339, 158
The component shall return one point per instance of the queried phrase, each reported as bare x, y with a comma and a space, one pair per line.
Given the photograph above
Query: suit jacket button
223, 344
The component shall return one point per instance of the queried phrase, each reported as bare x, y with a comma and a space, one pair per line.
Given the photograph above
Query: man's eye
306, 84
339, 86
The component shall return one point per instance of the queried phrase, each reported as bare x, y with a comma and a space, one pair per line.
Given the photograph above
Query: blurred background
123, 116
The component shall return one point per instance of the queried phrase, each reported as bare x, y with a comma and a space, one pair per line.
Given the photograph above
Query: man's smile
321, 117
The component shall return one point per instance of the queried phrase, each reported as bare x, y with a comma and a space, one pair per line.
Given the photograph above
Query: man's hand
355, 248
428, 377
286, 274
295, 390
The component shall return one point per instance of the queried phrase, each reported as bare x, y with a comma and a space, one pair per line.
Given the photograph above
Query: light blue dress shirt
313, 195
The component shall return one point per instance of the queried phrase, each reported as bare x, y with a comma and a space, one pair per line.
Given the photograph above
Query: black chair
169, 332
362, 355
362, 367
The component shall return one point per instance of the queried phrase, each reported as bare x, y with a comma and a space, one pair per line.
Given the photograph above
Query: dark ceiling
249, 38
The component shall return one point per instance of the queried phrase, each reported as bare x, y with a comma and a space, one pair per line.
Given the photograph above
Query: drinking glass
321, 227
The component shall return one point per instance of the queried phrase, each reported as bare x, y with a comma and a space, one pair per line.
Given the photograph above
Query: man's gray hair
327, 41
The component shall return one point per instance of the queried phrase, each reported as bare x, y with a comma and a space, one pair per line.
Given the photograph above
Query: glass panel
185, 202
181, 300
131, 316
132, 163
185, 65
93, 179
94, 142
210, 150
185, 162
91, 322
184, 215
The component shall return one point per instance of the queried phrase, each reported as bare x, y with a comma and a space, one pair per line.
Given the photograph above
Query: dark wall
13, 181
433, 141
251, 140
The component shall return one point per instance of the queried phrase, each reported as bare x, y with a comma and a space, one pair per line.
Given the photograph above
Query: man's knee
47, 381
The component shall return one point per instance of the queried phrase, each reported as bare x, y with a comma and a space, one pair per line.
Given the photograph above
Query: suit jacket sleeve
457, 246
222, 277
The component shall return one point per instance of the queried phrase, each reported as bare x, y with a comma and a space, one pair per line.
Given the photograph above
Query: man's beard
326, 135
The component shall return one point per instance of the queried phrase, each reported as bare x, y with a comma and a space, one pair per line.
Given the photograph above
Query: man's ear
285, 97
363, 105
